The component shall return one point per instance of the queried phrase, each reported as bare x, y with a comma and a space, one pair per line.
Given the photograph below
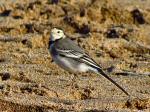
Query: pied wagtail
69, 56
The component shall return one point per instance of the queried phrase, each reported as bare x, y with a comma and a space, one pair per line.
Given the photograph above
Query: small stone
24, 41
5, 76
112, 33
17, 17
1, 87
82, 12
85, 29
29, 28
2, 60
5, 13
54, 1
110, 69
138, 16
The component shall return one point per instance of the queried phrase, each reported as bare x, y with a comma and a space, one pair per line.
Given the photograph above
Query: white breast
64, 63
83, 67
68, 65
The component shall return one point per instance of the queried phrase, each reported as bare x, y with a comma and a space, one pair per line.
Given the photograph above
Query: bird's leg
73, 80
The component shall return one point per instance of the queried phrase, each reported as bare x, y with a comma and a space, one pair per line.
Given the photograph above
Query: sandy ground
116, 33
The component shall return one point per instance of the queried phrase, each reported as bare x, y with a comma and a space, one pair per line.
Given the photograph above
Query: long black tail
106, 76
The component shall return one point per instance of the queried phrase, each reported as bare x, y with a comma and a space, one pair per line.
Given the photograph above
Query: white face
56, 34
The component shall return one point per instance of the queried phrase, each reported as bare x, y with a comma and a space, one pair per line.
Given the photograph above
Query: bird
72, 58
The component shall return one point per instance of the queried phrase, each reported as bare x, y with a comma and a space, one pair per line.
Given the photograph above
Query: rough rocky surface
116, 33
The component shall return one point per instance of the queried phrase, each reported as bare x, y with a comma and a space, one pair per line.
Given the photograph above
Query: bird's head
57, 34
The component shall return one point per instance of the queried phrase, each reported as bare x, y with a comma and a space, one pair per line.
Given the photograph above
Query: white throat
54, 37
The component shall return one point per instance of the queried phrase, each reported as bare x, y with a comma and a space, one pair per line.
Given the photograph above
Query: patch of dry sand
119, 41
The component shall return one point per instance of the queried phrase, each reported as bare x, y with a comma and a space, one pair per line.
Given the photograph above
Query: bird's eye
58, 31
